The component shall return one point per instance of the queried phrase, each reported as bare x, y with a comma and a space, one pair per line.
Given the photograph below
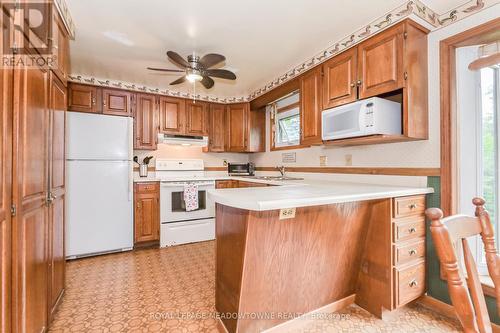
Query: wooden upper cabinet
84, 98
339, 79
217, 128
117, 102
60, 46
380, 62
172, 115
310, 107
196, 118
237, 127
146, 122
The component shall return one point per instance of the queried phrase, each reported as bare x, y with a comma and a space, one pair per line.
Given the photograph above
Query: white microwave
367, 117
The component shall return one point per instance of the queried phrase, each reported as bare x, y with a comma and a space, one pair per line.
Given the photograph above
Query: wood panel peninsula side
346, 242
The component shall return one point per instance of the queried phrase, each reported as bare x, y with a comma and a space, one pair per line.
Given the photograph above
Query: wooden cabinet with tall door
245, 129
146, 122
339, 79
29, 195
57, 191
217, 128
84, 98
172, 115
117, 102
237, 124
146, 213
196, 118
310, 108
380, 62
6, 105
60, 45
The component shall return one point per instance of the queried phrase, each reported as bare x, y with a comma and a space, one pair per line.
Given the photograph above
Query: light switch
323, 160
348, 160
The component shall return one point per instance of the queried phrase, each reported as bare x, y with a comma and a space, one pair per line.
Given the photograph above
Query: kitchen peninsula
283, 251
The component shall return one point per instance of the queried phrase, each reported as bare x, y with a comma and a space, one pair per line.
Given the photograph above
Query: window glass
286, 121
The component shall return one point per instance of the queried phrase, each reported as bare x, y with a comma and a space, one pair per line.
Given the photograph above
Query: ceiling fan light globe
193, 77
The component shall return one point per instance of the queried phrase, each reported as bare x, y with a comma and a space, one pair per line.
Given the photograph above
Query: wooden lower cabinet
232, 183
146, 213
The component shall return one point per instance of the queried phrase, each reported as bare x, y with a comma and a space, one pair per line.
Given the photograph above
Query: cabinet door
217, 128
310, 110
145, 122
117, 102
57, 121
83, 98
237, 127
6, 92
60, 45
380, 63
196, 118
172, 115
146, 218
339, 80
29, 226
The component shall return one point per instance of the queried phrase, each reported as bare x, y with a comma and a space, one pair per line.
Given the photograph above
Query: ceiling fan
198, 69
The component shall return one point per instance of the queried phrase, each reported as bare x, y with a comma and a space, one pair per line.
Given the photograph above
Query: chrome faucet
282, 170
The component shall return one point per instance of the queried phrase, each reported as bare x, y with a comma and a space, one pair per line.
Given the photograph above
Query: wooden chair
446, 233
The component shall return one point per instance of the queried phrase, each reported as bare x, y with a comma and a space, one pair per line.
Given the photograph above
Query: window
478, 97
285, 121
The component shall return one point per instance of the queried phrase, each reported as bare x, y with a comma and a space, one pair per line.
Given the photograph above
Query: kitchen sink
277, 178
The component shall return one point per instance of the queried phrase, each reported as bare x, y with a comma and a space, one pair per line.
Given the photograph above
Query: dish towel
191, 196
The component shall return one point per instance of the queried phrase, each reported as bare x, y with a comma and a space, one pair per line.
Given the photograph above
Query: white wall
180, 152
407, 154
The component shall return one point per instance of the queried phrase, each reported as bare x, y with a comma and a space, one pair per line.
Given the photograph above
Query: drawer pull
413, 283
412, 252
413, 206
412, 230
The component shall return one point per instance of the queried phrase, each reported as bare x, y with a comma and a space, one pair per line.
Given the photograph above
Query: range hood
183, 140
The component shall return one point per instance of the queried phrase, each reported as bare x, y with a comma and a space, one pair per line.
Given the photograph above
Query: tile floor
172, 290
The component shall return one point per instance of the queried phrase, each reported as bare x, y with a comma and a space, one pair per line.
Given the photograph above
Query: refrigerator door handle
130, 181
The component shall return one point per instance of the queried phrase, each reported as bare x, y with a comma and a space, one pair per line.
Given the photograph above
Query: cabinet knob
412, 252
413, 283
93, 100
353, 85
359, 82
412, 206
412, 230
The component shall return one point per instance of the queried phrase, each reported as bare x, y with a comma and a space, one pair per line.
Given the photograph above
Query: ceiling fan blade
207, 82
211, 59
179, 80
176, 58
166, 70
221, 73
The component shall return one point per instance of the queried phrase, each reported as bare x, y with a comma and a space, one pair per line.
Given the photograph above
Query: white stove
179, 226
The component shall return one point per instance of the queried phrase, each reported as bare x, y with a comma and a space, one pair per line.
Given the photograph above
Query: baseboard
302, 321
445, 309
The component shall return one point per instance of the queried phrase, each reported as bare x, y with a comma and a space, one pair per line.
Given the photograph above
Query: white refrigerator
99, 193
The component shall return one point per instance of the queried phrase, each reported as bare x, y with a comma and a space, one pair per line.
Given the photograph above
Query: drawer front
410, 283
409, 229
409, 206
404, 253
147, 187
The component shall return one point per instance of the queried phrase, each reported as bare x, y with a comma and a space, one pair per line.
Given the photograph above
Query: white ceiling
261, 39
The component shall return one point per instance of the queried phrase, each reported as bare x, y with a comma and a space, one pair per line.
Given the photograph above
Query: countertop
290, 193
308, 193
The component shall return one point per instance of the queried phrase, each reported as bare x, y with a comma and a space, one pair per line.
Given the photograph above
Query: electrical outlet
348, 160
287, 213
323, 161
